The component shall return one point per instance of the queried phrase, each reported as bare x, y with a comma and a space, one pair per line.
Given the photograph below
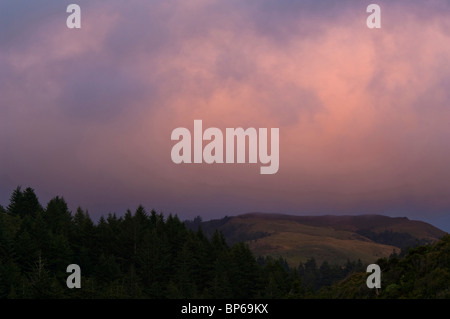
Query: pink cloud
362, 113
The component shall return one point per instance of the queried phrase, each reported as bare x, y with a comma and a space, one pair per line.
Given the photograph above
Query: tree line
138, 255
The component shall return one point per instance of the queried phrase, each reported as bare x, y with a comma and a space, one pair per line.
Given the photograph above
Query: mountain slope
332, 238
424, 272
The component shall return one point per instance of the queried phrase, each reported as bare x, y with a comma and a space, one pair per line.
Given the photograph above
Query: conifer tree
24, 203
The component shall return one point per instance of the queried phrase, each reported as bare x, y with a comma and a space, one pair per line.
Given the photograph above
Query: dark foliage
147, 255
423, 273
139, 255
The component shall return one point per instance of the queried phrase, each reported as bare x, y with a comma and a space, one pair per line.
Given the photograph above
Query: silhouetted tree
23, 203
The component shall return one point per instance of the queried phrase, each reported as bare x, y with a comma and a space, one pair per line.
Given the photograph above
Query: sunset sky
363, 114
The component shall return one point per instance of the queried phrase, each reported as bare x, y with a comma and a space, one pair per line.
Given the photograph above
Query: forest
422, 273
148, 255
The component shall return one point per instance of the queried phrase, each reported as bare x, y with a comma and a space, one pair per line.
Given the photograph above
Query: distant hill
335, 239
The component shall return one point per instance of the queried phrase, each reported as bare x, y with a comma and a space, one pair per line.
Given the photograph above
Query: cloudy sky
363, 114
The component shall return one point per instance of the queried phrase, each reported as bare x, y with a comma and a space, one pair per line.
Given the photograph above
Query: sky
363, 114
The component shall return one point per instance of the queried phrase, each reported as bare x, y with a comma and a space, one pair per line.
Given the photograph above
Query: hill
424, 272
335, 239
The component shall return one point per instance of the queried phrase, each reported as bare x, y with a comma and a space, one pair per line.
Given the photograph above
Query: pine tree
58, 217
220, 287
311, 275
82, 239
24, 203
26, 246
243, 272
40, 280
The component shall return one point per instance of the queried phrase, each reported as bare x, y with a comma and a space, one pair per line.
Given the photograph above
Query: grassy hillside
335, 239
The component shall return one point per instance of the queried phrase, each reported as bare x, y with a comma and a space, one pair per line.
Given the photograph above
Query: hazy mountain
332, 238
